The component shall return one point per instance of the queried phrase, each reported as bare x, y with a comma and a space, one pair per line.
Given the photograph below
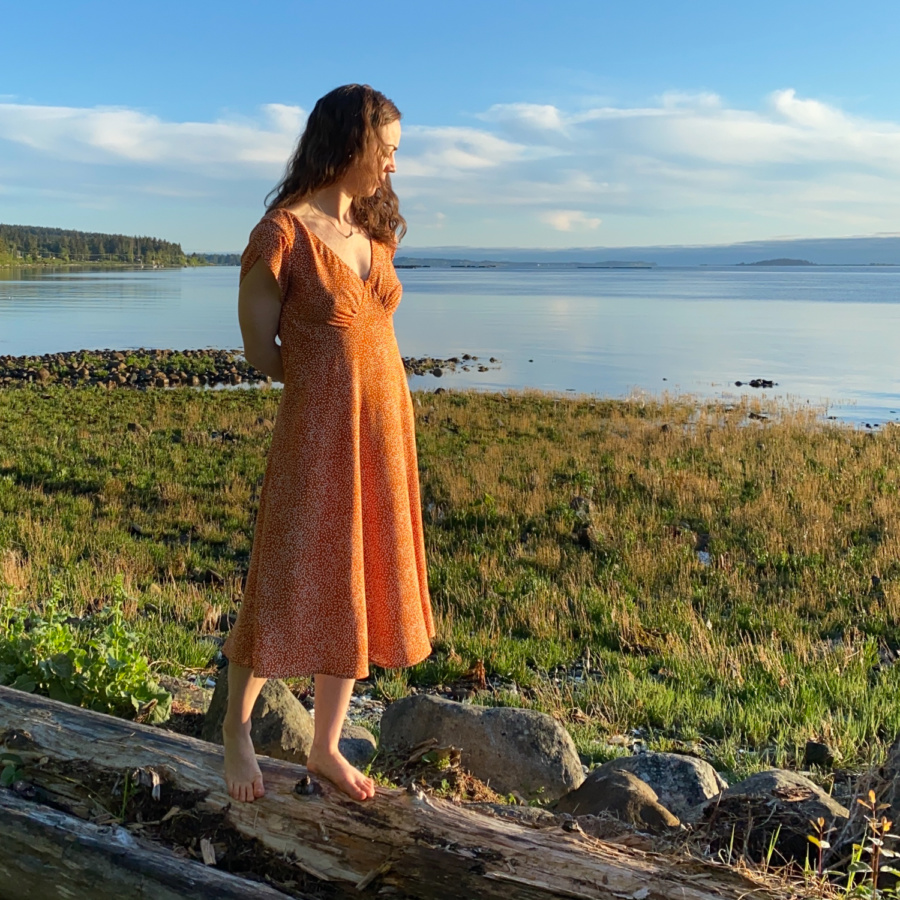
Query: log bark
49, 854
398, 843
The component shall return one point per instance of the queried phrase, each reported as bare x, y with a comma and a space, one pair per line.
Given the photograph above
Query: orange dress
337, 573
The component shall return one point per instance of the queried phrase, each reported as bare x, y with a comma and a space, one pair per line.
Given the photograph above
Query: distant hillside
849, 251
30, 245
782, 261
440, 262
217, 259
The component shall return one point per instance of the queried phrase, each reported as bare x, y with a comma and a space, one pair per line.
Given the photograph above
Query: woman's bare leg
242, 773
332, 700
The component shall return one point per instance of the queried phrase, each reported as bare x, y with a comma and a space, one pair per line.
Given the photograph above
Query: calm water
825, 335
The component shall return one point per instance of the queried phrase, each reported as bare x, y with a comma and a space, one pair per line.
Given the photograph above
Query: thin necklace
330, 220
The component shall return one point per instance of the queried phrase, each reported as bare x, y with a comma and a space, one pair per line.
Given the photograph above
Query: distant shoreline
57, 264
412, 262
407, 262
52, 264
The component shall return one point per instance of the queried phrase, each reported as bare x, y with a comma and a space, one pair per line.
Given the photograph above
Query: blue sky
525, 124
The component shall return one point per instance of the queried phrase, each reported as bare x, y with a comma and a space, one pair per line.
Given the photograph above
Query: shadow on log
305, 837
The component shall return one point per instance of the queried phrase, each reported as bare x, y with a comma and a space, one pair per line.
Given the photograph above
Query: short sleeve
270, 242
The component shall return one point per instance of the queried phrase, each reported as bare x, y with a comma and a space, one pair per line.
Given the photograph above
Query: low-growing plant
394, 685
818, 840
860, 875
96, 662
868, 859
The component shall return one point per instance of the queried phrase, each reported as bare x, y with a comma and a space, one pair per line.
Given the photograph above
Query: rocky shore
144, 369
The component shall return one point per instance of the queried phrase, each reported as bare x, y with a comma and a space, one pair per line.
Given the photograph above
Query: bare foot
337, 770
242, 774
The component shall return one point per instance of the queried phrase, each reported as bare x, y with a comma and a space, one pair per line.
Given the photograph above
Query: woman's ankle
324, 750
234, 725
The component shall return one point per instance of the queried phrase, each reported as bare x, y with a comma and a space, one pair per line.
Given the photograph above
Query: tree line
30, 244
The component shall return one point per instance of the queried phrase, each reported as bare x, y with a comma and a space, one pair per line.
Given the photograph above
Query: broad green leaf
61, 665
24, 683
163, 709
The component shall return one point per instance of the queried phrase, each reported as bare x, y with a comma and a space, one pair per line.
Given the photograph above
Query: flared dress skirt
337, 575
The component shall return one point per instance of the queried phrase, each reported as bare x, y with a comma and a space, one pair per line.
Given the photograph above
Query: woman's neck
334, 201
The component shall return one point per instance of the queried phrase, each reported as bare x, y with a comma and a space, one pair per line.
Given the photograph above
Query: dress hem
359, 674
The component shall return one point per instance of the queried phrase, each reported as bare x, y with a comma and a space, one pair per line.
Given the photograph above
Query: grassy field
727, 578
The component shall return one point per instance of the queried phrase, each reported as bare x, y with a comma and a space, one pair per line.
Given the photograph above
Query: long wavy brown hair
342, 132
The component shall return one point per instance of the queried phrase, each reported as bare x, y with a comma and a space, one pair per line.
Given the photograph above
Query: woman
337, 574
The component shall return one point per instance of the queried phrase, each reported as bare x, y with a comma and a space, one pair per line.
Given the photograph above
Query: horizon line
883, 235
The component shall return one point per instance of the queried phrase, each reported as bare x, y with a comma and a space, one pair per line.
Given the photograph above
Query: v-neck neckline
334, 253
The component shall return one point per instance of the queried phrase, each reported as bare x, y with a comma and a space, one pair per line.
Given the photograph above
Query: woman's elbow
260, 355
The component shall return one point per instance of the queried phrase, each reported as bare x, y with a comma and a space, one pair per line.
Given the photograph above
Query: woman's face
360, 183
390, 137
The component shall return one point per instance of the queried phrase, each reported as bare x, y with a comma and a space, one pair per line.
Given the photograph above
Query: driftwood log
307, 838
47, 853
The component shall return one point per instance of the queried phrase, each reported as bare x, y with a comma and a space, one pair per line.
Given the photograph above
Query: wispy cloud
453, 152
569, 220
98, 136
686, 168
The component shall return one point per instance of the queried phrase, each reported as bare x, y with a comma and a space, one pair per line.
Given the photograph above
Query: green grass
784, 636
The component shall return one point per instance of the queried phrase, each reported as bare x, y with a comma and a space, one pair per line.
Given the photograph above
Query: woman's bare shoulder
299, 211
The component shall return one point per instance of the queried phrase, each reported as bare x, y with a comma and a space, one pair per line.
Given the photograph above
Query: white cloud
811, 113
532, 116
285, 119
680, 99
569, 220
114, 136
451, 152
687, 168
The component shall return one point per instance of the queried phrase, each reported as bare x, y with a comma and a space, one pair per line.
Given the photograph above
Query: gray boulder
280, 725
187, 693
509, 749
358, 744
681, 782
620, 794
775, 805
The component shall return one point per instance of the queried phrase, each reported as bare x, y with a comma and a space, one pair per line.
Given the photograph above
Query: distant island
847, 251
31, 245
782, 261
440, 262
617, 264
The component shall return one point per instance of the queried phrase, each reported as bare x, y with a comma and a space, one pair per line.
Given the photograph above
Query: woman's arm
259, 309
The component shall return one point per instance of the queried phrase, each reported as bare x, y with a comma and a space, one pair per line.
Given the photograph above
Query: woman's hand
259, 311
